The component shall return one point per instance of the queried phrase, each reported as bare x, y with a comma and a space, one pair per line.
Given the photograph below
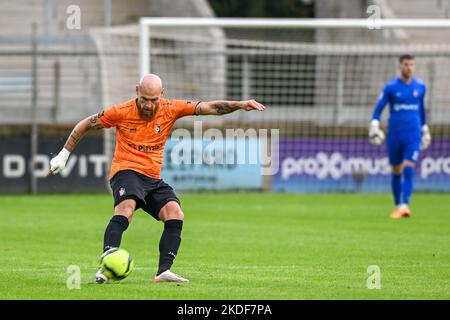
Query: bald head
151, 82
149, 92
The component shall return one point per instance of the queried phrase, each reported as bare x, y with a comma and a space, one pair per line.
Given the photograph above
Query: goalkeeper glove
426, 137
376, 135
58, 163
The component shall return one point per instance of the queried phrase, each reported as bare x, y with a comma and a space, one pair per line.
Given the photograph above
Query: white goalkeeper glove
58, 163
426, 137
376, 135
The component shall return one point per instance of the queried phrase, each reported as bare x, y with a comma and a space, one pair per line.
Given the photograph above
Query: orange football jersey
140, 143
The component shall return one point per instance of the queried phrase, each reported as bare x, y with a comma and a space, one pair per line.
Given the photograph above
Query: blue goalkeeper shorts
403, 146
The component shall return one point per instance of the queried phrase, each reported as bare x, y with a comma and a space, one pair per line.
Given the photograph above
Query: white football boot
100, 278
169, 276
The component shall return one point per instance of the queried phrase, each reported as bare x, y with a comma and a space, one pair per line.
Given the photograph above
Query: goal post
146, 23
319, 79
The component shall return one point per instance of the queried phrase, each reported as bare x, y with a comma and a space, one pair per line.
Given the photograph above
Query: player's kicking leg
123, 213
173, 217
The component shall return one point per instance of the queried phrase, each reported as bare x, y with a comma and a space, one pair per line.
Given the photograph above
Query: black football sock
113, 233
169, 244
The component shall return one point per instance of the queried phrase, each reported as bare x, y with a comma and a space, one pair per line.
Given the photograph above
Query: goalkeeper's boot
397, 213
406, 212
169, 276
401, 212
100, 278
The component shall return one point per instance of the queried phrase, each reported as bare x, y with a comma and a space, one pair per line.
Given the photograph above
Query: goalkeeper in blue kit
407, 131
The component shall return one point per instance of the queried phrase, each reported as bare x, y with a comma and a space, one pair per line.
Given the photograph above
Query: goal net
319, 83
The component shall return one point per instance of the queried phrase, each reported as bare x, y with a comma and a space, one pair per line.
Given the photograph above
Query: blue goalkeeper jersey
406, 104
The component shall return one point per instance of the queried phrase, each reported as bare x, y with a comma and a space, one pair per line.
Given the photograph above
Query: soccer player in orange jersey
142, 126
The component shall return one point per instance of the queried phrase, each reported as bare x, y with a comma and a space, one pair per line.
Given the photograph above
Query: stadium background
319, 86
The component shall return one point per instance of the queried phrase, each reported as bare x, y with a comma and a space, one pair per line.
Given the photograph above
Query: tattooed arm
58, 163
81, 129
222, 107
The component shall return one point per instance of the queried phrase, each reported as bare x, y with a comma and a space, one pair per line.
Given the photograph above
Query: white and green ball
116, 263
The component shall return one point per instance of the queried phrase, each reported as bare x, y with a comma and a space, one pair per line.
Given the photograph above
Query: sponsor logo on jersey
143, 148
398, 107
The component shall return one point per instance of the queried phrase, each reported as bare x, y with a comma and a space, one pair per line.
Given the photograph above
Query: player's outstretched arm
58, 163
221, 107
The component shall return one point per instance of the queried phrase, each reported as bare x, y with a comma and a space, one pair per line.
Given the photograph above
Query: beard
147, 113
407, 74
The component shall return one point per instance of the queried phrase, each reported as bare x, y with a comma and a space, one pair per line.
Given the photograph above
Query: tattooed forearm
221, 107
73, 140
81, 129
75, 136
224, 107
218, 108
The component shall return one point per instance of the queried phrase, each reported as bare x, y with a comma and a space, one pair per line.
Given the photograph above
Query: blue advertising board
207, 173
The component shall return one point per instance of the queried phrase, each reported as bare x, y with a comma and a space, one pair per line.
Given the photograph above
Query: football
116, 263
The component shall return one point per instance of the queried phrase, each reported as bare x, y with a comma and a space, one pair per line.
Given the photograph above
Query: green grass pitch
235, 246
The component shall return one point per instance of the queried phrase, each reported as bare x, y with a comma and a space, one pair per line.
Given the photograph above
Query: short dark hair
405, 56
